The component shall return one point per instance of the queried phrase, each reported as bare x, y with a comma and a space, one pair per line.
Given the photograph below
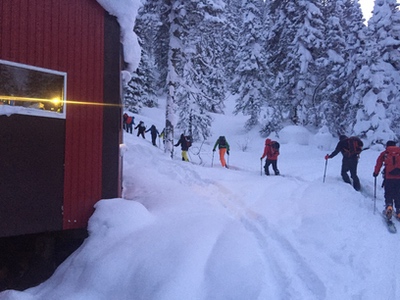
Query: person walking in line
390, 158
350, 147
271, 151
130, 121
154, 133
162, 136
185, 144
141, 129
124, 117
223, 147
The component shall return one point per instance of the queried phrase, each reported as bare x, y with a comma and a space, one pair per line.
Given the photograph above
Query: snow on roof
126, 12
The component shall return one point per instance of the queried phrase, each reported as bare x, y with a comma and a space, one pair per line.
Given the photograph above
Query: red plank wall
67, 36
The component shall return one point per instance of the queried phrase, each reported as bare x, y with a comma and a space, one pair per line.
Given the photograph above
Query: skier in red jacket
271, 151
390, 158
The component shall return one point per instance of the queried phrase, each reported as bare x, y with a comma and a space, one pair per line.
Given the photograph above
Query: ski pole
261, 166
212, 161
326, 165
228, 160
374, 194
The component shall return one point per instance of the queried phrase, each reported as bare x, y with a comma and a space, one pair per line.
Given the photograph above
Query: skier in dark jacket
124, 117
349, 161
154, 132
141, 129
184, 147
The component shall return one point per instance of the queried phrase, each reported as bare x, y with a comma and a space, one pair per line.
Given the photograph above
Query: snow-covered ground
196, 231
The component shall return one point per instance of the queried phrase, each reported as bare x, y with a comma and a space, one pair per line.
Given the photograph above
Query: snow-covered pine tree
140, 90
280, 35
270, 118
147, 25
295, 44
209, 59
276, 40
133, 93
248, 83
378, 82
230, 37
331, 86
201, 87
355, 32
302, 73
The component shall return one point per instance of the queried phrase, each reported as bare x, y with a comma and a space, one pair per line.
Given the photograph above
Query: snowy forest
312, 63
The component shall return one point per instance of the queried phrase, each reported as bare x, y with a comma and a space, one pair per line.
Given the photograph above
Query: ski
230, 167
389, 223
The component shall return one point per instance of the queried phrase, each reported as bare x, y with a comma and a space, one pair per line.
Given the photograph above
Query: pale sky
367, 6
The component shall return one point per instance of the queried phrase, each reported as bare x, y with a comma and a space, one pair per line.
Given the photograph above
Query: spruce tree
230, 38
378, 82
329, 94
248, 82
201, 87
295, 45
355, 32
140, 91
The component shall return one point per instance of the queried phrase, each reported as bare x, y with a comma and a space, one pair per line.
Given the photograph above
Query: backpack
188, 140
353, 147
222, 142
392, 161
275, 146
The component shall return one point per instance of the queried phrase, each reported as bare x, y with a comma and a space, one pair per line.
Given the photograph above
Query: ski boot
389, 212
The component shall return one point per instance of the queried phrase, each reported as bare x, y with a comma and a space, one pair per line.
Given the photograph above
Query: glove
327, 156
227, 152
375, 174
260, 158
213, 150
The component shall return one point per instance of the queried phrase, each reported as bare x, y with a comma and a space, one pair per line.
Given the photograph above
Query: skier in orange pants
223, 147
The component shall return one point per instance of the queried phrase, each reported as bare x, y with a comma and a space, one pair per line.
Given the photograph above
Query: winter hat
267, 141
342, 137
390, 143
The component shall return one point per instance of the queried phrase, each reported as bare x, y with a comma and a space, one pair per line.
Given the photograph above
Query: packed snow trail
278, 253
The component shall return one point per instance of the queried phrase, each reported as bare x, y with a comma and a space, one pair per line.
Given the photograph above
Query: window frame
31, 111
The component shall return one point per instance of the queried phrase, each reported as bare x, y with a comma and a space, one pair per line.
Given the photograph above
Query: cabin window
31, 90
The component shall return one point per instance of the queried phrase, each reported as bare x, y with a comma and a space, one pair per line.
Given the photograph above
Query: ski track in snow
278, 253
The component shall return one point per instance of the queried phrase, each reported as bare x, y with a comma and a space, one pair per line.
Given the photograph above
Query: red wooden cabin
57, 159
